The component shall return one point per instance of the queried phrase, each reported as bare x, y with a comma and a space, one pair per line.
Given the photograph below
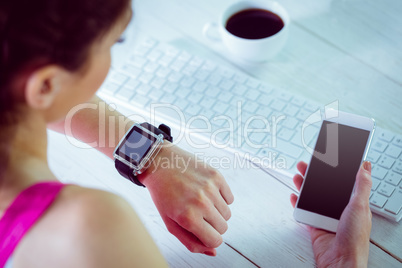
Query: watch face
135, 146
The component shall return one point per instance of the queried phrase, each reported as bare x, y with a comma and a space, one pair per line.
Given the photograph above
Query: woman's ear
42, 87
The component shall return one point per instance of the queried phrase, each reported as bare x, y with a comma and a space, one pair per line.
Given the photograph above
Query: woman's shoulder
90, 226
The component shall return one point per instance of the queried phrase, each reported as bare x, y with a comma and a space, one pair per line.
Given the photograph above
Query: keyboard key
225, 96
138, 61
146, 78
265, 100
250, 107
257, 137
125, 94
398, 167
378, 200
386, 189
373, 156
187, 81
140, 101
220, 107
226, 84
119, 78
375, 184
154, 55
287, 148
240, 90
131, 70
384, 135
212, 92
303, 114
298, 101
171, 87
141, 51
193, 109
226, 73
264, 111
201, 75
393, 178
207, 102
210, 66
394, 203
155, 94
253, 83
291, 110
132, 83
286, 134
143, 89
168, 98
175, 77
151, 67
189, 71
149, 42
201, 86
158, 82
214, 79
284, 96
386, 162
379, 172
278, 105
240, 78
166, 60
182, 92
195, 97
252, 94
196, 61
178, 65
393, 151
290, 122
311, 106
185, 56
379, 146
397, 141
182, 104
110, 87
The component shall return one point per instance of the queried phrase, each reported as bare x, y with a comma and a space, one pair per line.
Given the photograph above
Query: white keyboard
194, 93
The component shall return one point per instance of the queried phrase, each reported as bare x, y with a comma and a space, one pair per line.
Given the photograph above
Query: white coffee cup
256, 50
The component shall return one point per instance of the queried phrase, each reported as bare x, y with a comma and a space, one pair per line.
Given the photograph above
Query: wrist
162, 157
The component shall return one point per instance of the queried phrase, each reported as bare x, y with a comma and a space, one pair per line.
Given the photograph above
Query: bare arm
197, 222
95, 124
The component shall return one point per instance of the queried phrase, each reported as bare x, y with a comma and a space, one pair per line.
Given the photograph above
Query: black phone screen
332, 171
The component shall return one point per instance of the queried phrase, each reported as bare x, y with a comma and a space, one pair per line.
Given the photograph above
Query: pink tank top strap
23, 212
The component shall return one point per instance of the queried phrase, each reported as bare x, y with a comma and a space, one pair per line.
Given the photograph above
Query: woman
53, 56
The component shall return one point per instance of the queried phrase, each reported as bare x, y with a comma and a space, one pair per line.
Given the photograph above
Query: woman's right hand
349, 247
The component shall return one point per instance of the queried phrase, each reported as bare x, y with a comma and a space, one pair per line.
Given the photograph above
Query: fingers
363, 182
217, 221
199, 223
225, 191
222, 207
293, 199
188, 239
298, 181
302, 167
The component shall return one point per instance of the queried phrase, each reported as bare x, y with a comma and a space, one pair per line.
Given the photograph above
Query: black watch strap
126, 171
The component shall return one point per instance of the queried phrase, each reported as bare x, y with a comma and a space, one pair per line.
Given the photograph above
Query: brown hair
41, 32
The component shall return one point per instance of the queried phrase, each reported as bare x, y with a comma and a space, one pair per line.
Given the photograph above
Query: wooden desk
348, 51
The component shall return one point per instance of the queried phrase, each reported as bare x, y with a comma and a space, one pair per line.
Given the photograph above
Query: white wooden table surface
349, 51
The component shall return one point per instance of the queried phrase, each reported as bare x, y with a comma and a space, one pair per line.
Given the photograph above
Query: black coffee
254, 23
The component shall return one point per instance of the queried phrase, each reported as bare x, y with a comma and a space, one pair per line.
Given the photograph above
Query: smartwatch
138, 148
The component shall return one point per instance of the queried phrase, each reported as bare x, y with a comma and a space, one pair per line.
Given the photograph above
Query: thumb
363, 182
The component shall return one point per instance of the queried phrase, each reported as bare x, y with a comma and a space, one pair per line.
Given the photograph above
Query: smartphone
341, 147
